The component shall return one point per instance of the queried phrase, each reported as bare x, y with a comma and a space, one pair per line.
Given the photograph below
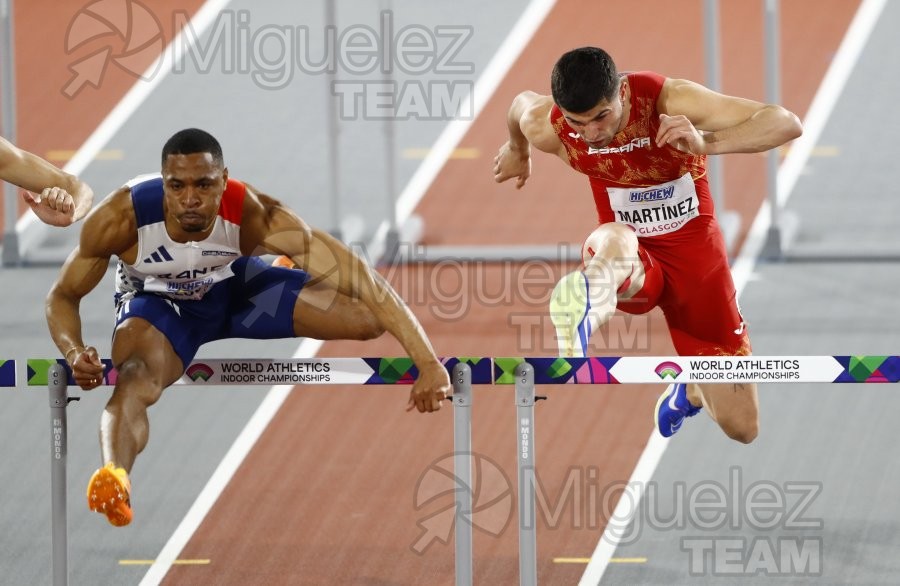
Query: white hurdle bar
523, 372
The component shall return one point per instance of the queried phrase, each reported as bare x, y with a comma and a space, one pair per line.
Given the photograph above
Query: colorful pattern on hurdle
500, 370
7, 373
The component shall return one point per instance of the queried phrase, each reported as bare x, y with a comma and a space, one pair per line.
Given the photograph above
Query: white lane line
487, 84
822, 105
442, 150
827, 96
30, 230
419, 184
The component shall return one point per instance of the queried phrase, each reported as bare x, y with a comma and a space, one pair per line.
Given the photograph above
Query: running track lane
326, 495
48, 120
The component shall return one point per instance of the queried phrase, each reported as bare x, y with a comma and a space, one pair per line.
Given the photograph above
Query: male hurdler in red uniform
642, 140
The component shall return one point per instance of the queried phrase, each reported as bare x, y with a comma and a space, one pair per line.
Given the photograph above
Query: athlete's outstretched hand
679, 132
54, 206
430, 389
510, 163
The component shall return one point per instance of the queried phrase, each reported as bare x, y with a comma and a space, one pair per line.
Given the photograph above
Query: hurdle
522, 372
56, 375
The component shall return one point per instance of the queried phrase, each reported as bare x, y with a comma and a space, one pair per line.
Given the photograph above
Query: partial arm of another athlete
58, 198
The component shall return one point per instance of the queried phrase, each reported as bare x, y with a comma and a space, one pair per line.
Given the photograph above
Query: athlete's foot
569, 306
109, 492
672, 408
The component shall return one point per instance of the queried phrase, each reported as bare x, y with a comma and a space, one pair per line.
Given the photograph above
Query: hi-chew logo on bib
660, 209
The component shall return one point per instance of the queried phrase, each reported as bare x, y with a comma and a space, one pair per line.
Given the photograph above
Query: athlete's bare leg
734, 407
584, 300
323, 313
146, 364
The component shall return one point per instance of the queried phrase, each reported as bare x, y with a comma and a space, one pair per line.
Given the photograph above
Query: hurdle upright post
773, 248
11, 255
462, 468
59, 399
525, 447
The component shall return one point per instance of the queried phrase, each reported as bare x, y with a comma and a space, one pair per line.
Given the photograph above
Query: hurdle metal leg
525, 446
462, 468
59, 399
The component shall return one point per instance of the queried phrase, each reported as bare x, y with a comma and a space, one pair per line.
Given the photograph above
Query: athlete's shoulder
235, 187
231, 209
645, 82
145, 179
111, 227
537, 122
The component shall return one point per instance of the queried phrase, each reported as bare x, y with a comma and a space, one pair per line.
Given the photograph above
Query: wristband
69, 351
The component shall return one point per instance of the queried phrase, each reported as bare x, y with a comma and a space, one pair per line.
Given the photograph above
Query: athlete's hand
679, 132
510, 163
430, 389
54, 206
86, 367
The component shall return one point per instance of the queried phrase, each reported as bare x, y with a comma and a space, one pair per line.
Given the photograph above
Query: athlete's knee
137, 381
744, 432
735, 408
742, 425
609, 241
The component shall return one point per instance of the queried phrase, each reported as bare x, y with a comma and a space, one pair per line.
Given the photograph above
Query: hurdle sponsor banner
7, 373
277, 371
757, 369
700, 369
334, 371
37, 370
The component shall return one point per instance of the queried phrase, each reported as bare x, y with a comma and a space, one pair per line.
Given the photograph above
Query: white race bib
661, 209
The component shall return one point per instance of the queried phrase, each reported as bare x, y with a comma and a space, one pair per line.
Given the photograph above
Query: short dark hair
190, 141
582, 78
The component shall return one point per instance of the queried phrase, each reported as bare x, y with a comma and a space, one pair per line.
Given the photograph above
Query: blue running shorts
257, 303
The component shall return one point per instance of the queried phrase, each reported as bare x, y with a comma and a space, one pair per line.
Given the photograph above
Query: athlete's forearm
770, 127
64, 321
517, 139
34, 174
78, 277
396, 318
83, 196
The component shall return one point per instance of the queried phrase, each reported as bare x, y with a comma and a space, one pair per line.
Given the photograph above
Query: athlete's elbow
794, 126
789, 125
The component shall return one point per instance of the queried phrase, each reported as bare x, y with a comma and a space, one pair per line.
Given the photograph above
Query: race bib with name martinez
661, 209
